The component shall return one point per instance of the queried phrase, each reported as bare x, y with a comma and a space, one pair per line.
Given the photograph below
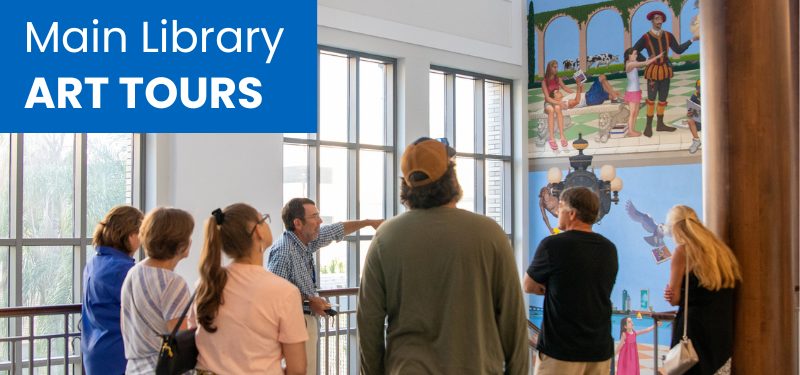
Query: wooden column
750, 169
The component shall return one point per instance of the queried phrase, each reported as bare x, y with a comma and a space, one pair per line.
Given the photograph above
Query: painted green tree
531, 46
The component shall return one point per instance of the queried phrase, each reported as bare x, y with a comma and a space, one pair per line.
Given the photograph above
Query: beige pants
312, 326
551, 366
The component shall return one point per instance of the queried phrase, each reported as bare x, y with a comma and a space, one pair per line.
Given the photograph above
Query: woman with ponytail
247, 318
116, 239
713, 273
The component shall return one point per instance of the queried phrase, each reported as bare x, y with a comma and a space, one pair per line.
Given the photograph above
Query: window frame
354, 148
480, 155
82, 237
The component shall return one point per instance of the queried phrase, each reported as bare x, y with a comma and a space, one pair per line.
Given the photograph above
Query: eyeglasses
264, 218
444, 140
314, 216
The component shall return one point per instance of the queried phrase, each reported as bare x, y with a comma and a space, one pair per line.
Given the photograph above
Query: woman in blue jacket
116, 239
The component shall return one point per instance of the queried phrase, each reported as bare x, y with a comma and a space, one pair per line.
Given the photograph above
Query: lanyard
312, 270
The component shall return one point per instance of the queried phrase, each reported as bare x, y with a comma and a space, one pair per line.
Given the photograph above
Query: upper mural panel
624, 73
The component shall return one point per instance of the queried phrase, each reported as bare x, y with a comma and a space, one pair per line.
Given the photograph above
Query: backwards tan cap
428, 156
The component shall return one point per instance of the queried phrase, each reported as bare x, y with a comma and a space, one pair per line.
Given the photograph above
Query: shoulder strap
686, 299
186, 310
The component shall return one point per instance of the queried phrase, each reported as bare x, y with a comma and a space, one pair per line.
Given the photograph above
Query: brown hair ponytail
227, 231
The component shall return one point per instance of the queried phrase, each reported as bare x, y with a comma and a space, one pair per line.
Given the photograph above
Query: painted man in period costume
658, 73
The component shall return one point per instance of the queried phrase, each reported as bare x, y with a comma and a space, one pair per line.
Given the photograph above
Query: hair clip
219, 215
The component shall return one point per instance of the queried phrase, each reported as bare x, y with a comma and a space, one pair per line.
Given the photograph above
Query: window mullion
15, 252
352, 100
450, 109
80, 197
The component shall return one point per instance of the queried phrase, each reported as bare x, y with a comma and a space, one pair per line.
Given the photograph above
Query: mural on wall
636, 226
594, 65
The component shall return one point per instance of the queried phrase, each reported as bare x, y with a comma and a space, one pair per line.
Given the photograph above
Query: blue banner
166, 66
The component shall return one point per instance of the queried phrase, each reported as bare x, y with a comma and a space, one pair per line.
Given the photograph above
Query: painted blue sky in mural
653, 190
605, 32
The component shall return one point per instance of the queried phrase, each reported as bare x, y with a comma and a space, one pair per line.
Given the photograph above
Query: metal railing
533, 339
338, 338
31, 334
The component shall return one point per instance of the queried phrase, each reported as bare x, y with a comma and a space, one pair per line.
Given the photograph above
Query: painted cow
569, 65
601, 59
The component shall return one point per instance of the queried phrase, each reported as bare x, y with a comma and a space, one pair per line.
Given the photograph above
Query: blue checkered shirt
292, 260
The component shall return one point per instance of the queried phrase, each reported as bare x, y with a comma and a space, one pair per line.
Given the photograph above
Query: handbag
178, 350
682, 356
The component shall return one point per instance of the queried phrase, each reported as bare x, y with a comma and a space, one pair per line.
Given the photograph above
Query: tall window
54, 188
347, 166
473, 112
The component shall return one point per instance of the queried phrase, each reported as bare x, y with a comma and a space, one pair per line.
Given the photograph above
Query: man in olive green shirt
445, 278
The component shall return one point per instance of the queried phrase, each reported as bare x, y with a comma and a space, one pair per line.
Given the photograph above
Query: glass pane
495, 197
295, 172
48, 191
493, 112
4, 259
372, 102
333, 266
372, 187
465, 170
363, 249
437, 105
333, 191
46, 275
109, 175
5, 174
333, 98
465, 115
5, 353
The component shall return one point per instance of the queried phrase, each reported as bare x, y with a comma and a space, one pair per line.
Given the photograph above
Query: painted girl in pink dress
633, 93
628, 362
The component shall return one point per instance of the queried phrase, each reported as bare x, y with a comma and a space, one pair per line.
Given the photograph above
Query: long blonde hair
712, 261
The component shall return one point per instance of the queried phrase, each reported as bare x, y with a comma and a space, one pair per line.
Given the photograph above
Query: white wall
493, 30
207, 171
482, 20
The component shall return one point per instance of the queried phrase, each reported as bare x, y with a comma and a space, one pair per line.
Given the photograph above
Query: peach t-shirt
261, 311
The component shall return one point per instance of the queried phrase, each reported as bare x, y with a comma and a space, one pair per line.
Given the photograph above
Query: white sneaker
695, 145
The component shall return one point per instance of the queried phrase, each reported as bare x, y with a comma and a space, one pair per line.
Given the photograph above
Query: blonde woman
713, 273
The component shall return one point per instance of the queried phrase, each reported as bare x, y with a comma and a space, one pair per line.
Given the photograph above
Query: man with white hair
575, 272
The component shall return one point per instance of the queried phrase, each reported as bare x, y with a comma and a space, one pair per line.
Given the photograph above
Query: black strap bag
178, 351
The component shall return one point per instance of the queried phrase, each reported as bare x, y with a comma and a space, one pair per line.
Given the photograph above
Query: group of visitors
248, 320
440, 292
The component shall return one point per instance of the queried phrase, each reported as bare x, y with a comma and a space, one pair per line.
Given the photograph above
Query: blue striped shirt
150, 298
292, 260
